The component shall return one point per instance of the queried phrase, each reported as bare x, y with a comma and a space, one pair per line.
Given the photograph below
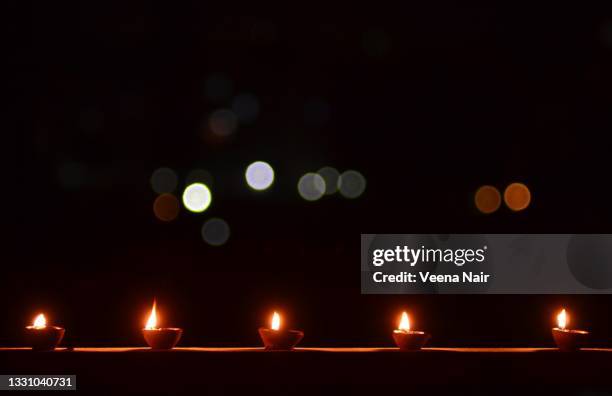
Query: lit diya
42, 337
406, 339
566, 339
160, 337
277, 339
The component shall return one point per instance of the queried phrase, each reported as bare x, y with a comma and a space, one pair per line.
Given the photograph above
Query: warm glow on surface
275, 321
40, 322
404, 324
152, 322
562, 319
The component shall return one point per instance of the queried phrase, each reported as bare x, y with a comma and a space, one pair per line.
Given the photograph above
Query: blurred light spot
215, 232
317, 112
311, 186
199, 176
331, 176
72, 174
351, 184
517, 196
164, 180
487, 199
166, 207
246, 107
376, 43
218, 88
259, 175
223, 122
197, 197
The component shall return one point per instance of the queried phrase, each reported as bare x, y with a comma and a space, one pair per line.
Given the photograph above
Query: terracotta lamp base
569, 340
163, 338
45, 339
411, 340
280, 340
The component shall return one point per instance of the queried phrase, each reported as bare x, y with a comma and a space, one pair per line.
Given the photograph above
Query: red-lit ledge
143, 369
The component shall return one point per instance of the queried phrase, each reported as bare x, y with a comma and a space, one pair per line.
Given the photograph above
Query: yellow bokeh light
331, 177
351, 184
311, 186
197, 197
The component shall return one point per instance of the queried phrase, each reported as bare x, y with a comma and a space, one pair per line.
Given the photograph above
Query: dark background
428, 101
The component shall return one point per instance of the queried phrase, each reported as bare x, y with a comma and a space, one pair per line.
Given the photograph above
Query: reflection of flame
275, 321
152, 322
562, 319
404, 324
40, 322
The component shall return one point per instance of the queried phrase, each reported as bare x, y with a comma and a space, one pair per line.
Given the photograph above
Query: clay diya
568, 340
42, 337
160, 337
406, 339
276, 339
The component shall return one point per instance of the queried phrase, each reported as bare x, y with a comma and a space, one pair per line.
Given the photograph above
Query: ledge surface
332, 350
143, 369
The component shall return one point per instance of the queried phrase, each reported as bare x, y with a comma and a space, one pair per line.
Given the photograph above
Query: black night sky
428, 101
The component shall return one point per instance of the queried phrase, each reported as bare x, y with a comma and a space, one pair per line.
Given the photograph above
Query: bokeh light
259, 175
351, 184
166, 207
164, 180
197, 197
331, 177
223, 122
246, 107
517, 196
487, 199
311, 186
215, 232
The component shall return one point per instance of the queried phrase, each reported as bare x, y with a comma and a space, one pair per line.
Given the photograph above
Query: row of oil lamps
42, 337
